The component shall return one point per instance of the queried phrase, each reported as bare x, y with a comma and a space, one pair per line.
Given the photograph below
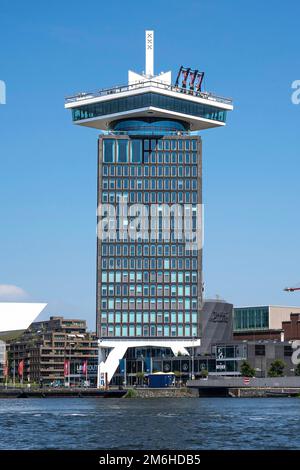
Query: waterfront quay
243, 387
230, 387
62, 392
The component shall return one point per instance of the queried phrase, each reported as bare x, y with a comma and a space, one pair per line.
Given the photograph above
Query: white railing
146, 84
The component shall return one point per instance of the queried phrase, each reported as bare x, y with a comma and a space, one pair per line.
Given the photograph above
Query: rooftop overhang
183, 101
104, 122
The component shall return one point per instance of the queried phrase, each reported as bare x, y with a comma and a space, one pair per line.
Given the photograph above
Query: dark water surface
183, 423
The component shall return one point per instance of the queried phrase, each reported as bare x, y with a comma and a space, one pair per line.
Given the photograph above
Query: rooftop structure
147, 96
266, 317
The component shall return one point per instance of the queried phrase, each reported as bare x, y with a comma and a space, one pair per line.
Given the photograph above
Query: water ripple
205, 423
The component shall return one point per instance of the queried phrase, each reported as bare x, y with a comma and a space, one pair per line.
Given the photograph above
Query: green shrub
246, 369
131, 393
276, 368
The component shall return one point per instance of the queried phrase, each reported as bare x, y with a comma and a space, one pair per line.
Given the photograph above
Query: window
138, 330
131, 317
146, 317
146, 100
260, 350
153, 144
131, 330
288, 351
108, 150
136, 151
166, 330
111, 318
122, 155
187, 330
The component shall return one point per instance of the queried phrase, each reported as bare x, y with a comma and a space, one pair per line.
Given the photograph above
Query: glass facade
251, 318
144, 100
148, 287
152, 126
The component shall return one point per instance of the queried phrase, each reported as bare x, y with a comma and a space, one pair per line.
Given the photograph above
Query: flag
21, 368
66, 367
84, 367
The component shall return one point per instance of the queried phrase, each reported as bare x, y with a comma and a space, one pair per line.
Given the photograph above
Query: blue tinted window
148, 99
122, 151
136, 151
108, 150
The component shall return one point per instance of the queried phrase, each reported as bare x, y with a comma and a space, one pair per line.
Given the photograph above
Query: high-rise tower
149, 254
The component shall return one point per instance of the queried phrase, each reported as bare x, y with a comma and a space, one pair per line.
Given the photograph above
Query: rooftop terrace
81, 97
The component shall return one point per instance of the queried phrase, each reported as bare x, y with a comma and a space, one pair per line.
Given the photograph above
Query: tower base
107, 366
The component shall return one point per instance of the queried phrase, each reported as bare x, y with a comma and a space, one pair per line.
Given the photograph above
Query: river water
183, 423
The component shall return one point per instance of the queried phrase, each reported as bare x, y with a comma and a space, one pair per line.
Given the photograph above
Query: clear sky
249, 51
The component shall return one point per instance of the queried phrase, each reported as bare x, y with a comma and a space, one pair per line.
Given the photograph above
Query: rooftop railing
120, 89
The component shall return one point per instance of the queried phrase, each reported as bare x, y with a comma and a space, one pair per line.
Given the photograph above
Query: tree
276, 368
246, 369
140, 376
297, 369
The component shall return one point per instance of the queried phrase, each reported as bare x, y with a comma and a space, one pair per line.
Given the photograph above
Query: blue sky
249, 51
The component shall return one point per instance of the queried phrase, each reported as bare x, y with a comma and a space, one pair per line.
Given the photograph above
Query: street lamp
193, 358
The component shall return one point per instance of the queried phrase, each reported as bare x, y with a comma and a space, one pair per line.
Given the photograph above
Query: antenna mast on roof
149, 69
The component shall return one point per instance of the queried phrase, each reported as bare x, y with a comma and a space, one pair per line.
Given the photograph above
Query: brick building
291, 328
46, 345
